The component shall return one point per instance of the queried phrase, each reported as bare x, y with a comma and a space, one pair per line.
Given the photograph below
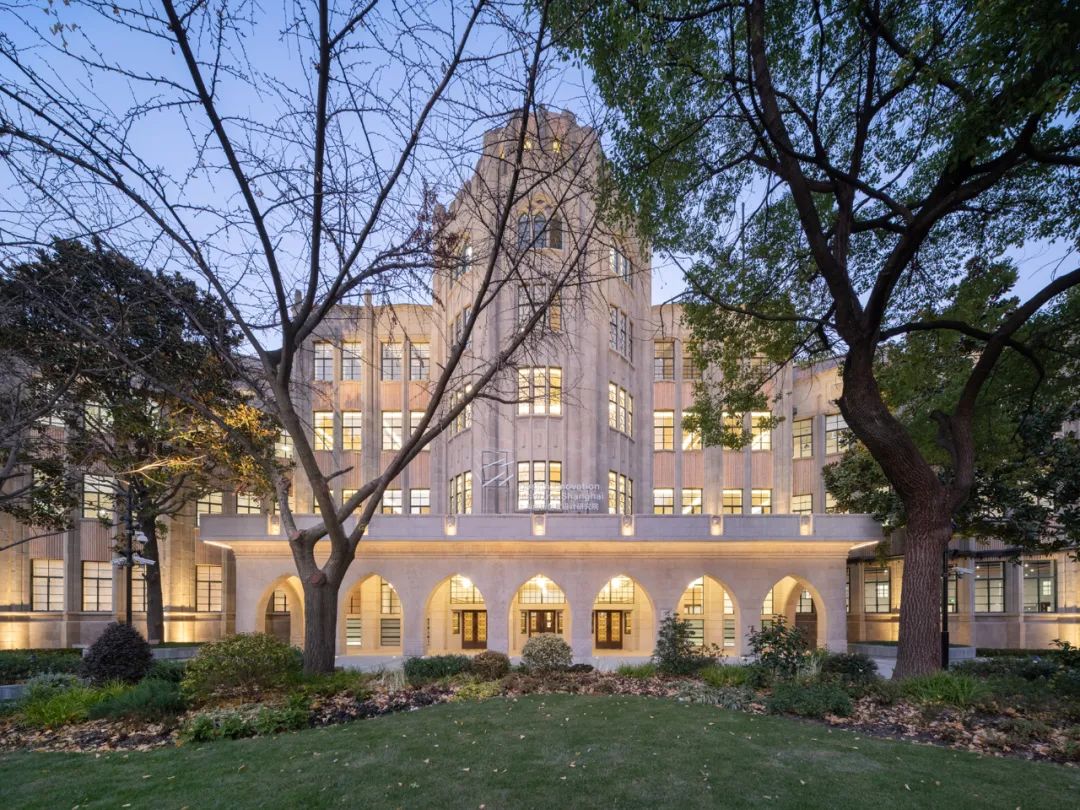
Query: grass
543, 752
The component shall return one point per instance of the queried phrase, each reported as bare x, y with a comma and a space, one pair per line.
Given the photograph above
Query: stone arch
456, 617
372, 618
714, 611
287, 624
535, 607
623, 618
801, 604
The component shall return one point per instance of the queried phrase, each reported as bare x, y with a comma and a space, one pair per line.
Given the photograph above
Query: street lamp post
129, 554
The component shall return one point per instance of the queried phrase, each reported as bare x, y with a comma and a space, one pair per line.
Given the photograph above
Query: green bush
852, 669
1030, 668
781, 649
150, 700
342, 681
546, 652
233, 724
242, 665
48, 684
1067, 654
119, 654
675, 653
722, 675
167, 670
65, 707
490, 665
950, 688
422, 670
19, 665
1067, 683
640, 671
808, 699
478, 690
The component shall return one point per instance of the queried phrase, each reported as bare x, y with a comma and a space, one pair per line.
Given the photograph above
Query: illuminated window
620, 494
279, 602
539, 485
463, 592
463, 419
324, 360
209, 503
351, 430
98, 496
831, 506
691, 439
419, 501
837, 435
283, 446
393, 429
391, 503
805, 603
693, 601
461, 494
802, 438
389, 603
691, 501
208, 588
248, 503
802, 504
324, 430
1040, 587
620, 590
733, 501
620, 409
46, 584
876, 590
663, 501
419, 361
664, 360
532, 297
539, 390
767, 606
390, 362
541, 591
351, 360
990, 587
760, 501
97, 590
663, 430
760, 432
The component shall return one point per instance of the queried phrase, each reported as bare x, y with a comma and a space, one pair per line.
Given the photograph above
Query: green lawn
553, 751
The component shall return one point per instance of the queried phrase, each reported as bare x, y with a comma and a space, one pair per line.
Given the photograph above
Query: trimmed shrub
546, 652
950, 688
482, 690
640, 671
119, 654
855, 669
172, 671
422, 670
491, 665
814, 699
675, 653
150, 700
20, 665
245, 665
780, 648
723, 675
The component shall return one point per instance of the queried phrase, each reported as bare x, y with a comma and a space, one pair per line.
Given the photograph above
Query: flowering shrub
546, 652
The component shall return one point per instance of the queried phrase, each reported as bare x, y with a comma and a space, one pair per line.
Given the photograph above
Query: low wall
889, 651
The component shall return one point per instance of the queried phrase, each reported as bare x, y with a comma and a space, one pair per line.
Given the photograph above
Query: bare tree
305, 154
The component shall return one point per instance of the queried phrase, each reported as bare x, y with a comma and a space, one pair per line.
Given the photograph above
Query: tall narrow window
691, 500
464, 262
620, 494
324, 360
389, 603
554, 231
990, 587
837, 434
664, 360
876, 590
98, 496
620, 264
390, 362
208, 588
351, 360
392, 430
419, 361
663, 501
283, 446
663, 430
732, 501
461, 494
351, 430
524, 231
324, 430
760, 431
539, 228
97, 590
46, 584
802, 438
691, 439
415, 418
1040, 587
691, 369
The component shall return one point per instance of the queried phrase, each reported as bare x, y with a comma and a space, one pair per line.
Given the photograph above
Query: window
351, 360
620, 409
461, 494
837, 434
663, 430
461, 326
463, 420
620, 264
530, 298
691, 439
350, 430
323, 425
990, 587
760, 501
419, 501
620, 333
524, 231
831, 506
663, 501
760, 432
802, 438
419, 361
463, 592
324, 360
619, 591
47, 584
664, 360
209, 503
953, 583
138, 589
354, 632
539, 229
802, 504
99, 493
1040, 587
732, 501
390, 362
390, 632
539, 485
391, 502
279, 602
97, 417
248, 503
876, 589
393, 429
208, 588
97, 579
694, 598
620, 494
464, 262
389, 603
691, 369
540, 390
283, 446
767, 607
541, 591
554, 228
691, 501
805, 603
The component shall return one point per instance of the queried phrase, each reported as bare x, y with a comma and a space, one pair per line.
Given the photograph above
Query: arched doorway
538, 606
795, 600
711, 611
282, 615
372, 623
456, 618
623, 619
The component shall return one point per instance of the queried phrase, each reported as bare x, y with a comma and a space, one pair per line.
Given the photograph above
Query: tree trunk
928, 533
155, 603
320, 623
